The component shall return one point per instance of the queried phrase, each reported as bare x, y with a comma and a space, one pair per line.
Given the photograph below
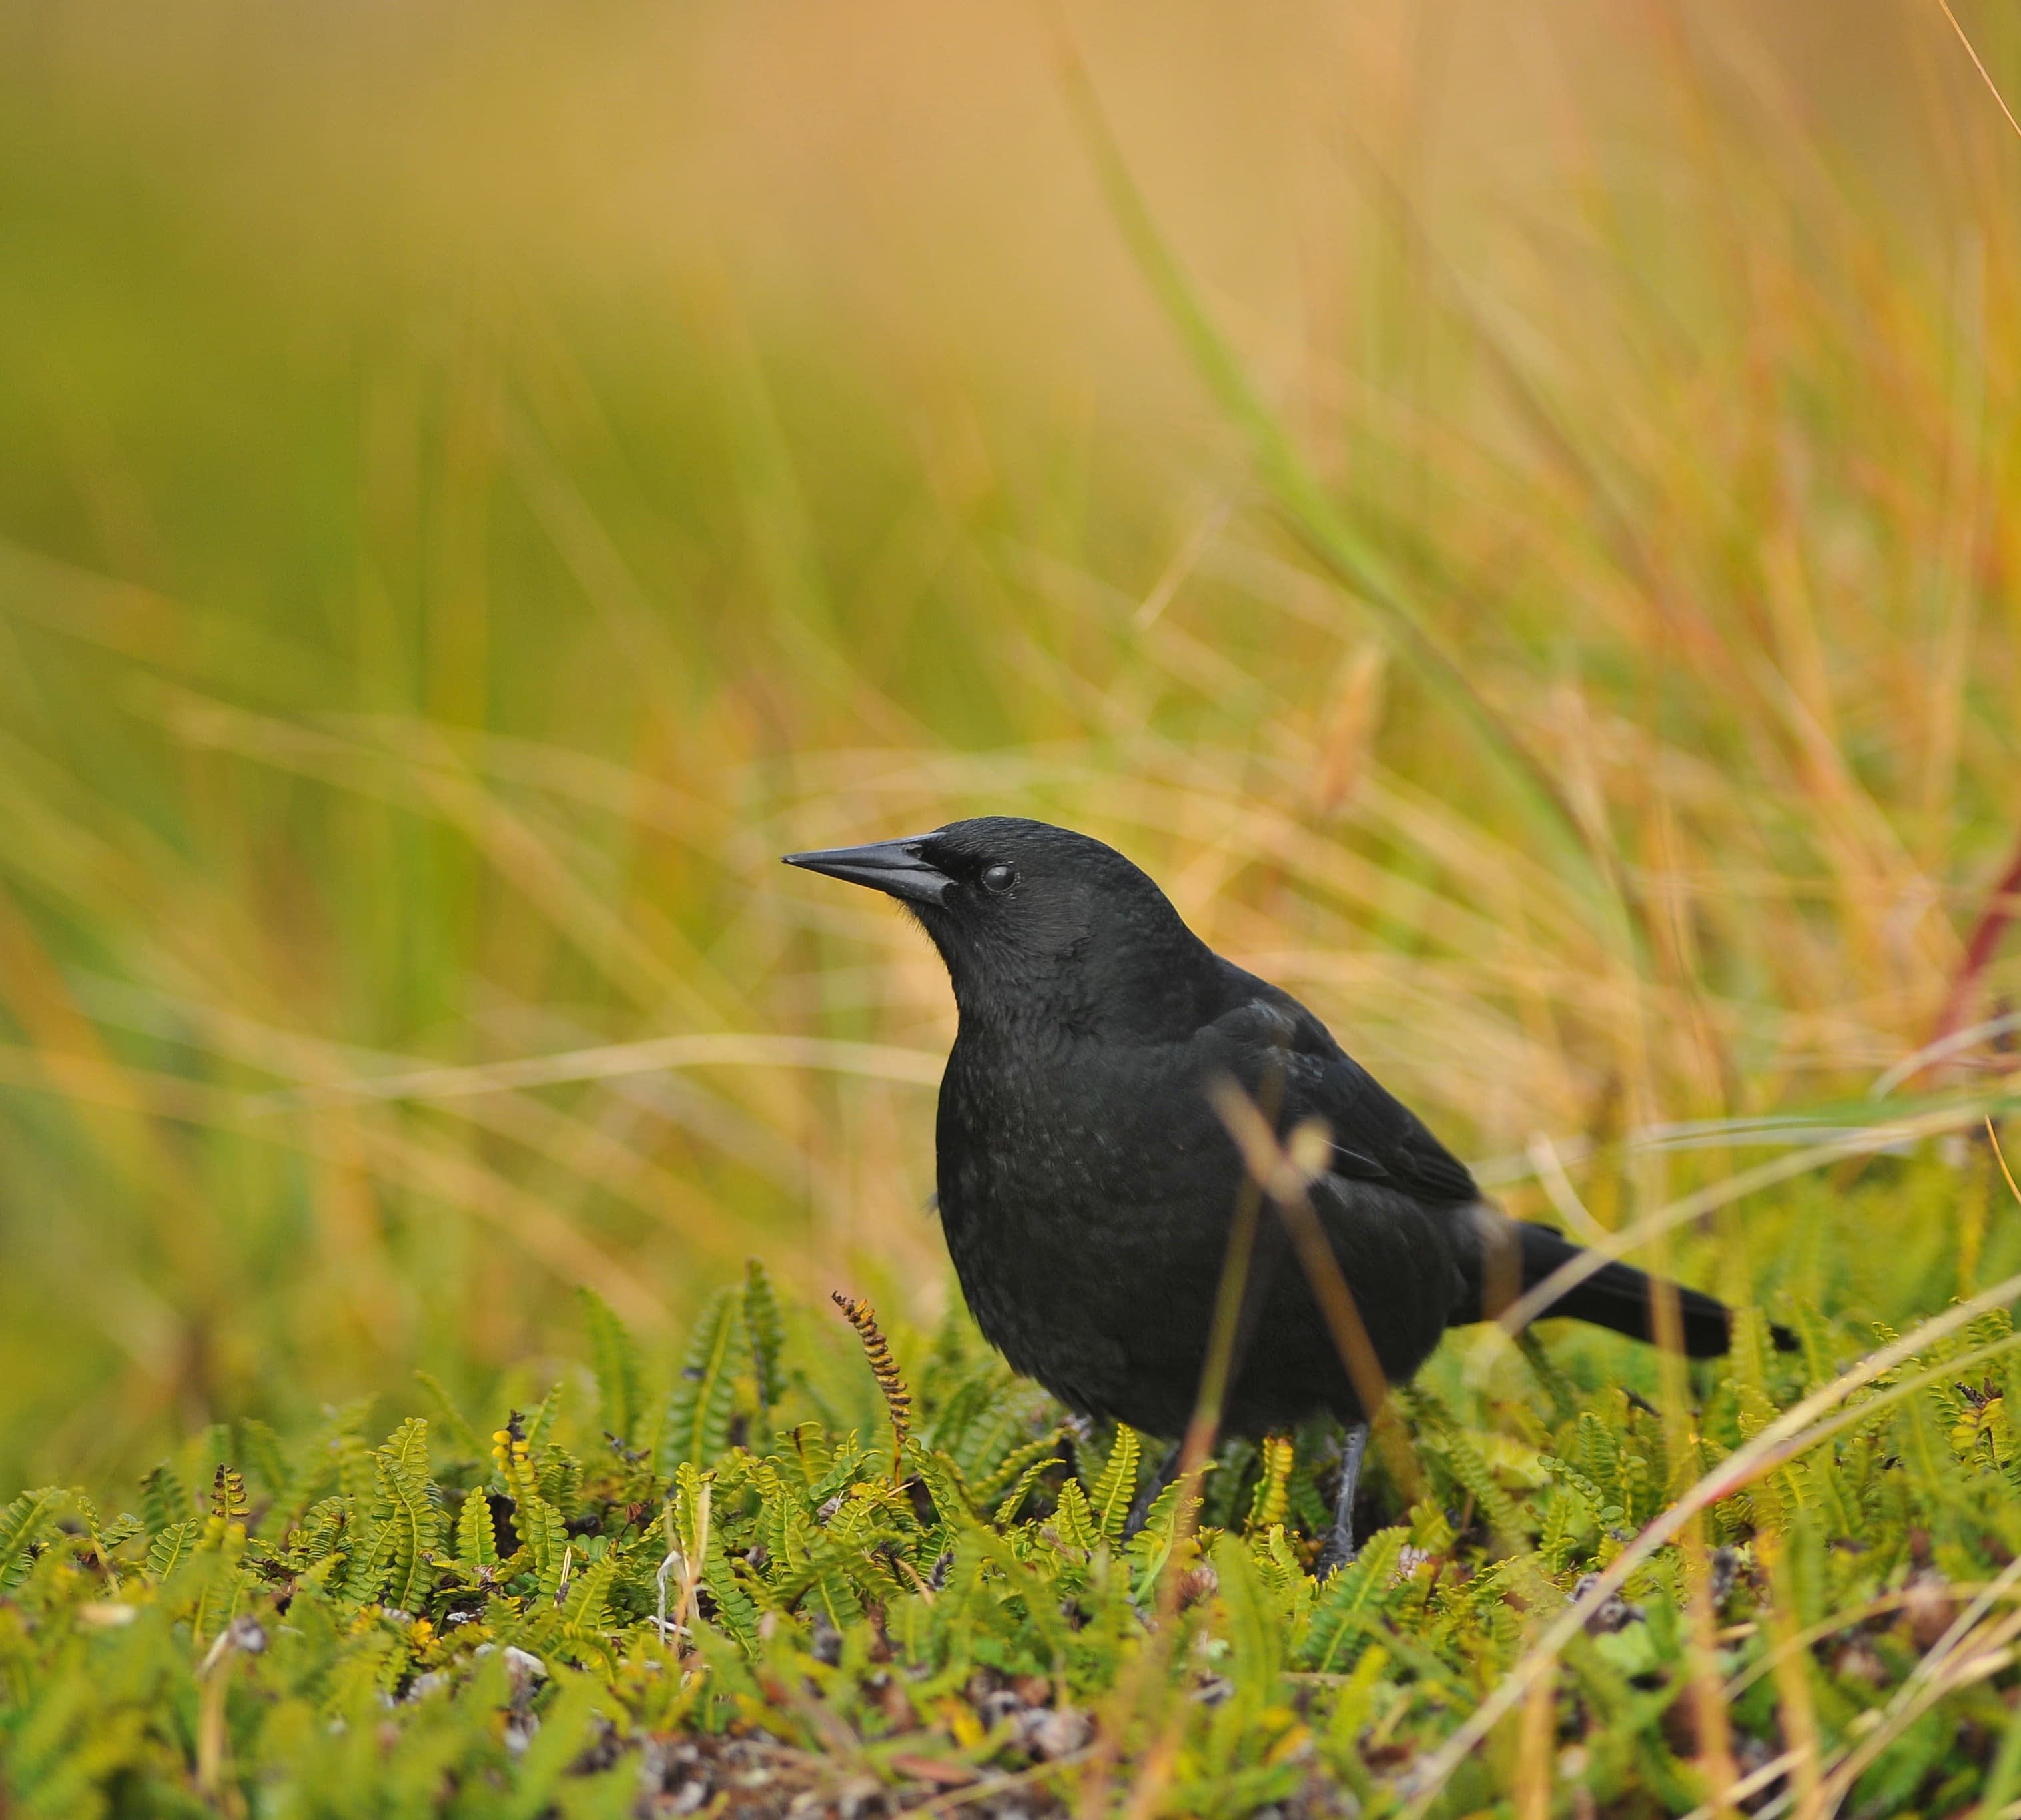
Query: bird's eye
999, 877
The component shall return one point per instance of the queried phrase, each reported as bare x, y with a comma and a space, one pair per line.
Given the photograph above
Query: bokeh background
478, 483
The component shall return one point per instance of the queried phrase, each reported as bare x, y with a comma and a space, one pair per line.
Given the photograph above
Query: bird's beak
896, 867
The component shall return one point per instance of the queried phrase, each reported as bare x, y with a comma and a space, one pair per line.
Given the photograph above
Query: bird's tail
1620, 1297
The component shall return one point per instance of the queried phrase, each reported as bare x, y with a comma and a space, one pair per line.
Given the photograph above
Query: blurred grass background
478, 483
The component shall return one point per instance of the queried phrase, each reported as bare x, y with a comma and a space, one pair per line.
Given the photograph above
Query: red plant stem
1999, 911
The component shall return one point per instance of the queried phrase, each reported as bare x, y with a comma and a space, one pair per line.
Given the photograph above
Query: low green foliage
628, 1603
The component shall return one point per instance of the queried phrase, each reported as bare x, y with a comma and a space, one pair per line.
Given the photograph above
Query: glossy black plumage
1087, 1184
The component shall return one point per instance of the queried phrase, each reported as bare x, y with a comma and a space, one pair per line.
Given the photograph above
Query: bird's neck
1164, 1001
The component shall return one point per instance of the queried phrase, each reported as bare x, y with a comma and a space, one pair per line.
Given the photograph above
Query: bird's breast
1064, 1168
1069, 1131
1084, 1194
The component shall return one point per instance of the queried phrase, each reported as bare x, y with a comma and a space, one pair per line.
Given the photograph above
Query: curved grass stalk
608, 1061
1794, 1433
1536, 1302
1302, 500
1799, 1641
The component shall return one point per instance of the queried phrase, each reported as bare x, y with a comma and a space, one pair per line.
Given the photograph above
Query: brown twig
1284, 1174
1985, 75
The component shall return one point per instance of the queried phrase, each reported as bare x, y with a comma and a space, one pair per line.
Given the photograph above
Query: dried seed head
883, 1367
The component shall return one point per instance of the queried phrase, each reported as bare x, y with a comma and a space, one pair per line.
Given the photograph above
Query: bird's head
1037, 921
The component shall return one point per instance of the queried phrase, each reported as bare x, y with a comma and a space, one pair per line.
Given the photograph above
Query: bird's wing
1376, 1137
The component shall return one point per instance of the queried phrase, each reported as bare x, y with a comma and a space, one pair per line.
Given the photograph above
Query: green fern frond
1017, 1464
317, 1461
1074, 1519
164, 1502
536, 1422
476, 1533
1151, 1549
1253, 1625
586, 1607
767, 1329
1343, 1624
1113, 1493
704, 1402
261, 1449
1471, 1469
23, 1523
1563, 1396
560, 1476
543, 1535
1006, 1510
1267, 1503
615, 1361
412, 1523
463, 1435
168, 1547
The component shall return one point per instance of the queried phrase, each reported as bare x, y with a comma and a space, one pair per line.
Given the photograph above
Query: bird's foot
1339, 1549
1338, 1552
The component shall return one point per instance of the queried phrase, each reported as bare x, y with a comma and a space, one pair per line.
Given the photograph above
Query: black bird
1088, 1181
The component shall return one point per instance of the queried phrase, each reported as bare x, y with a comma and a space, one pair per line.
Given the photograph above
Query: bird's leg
1139, 1512
1339, 1549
